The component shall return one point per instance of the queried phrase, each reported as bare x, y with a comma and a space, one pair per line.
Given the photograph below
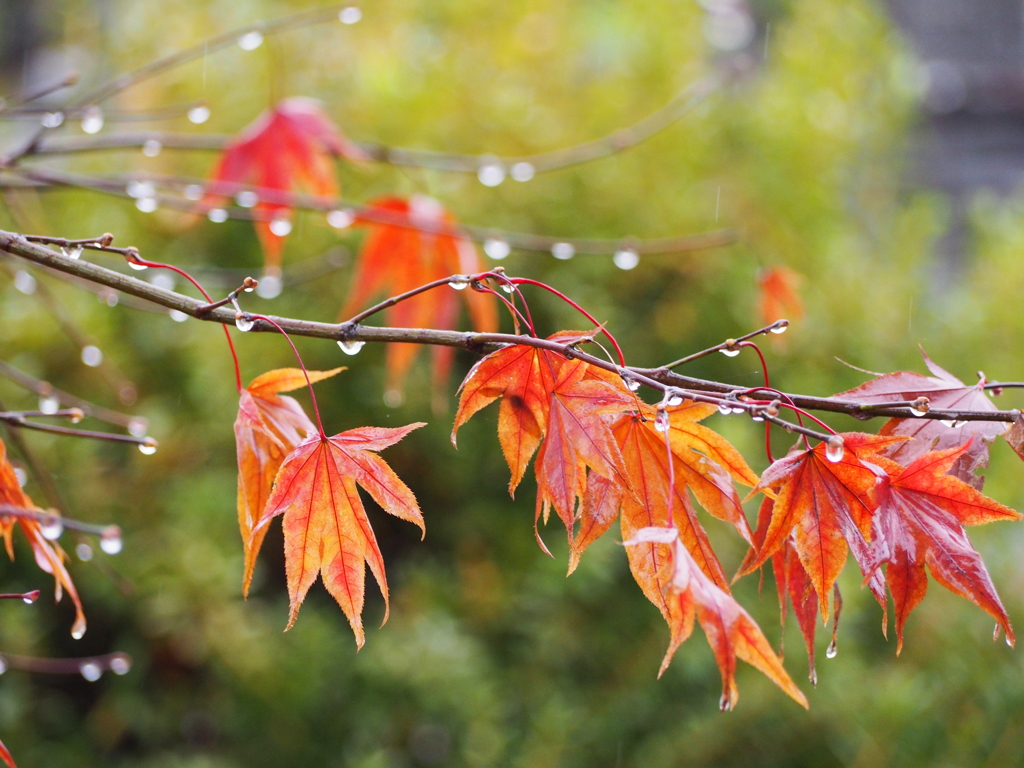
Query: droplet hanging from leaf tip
831, 651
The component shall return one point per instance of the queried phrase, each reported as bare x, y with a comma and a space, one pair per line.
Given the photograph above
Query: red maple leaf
395, 259
921, 521
287, 148
944, 391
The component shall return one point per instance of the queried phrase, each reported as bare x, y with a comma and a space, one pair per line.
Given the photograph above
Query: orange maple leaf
730, 630
396, 259
289, 147
267, 429
921, 519
48, 555
646, 458
780, 294
326, 530
825, 503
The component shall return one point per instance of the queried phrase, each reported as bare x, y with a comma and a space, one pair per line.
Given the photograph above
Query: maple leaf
48, 555
267, 429
922, 514
780, 295
825, 504
289, 147
944, 391
729, 629
326, 530
396, 259
646, 455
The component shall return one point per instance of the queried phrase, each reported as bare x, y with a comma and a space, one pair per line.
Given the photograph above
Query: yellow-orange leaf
267, 429
326, 530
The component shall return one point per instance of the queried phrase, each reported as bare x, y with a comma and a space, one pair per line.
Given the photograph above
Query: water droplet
351, 347
193, 192
162, 279
724, 408
813, 677
633, 385
730, 352
948, 423
109, 298
496, 248
242, 322
738, 409
152, 148
92, 120
139, 189
3, 665
21, 475
199, 115
78, 633
250, 41
342, 218
835, 449
725, 703
627, 258
780, 327
831, 651
917, 412
148, 446
350, 15
393, 398
459, 285
661, 420
146, 204
49, 405
563, 251
53, 119
522, 171
75, 415
756, 416
1009, 642
92, 356
120, 664
675, 400
247, 199
51, 527
269, 287
24, 282
281, 226
217, 215
29, 598
138, 427
136, 266
491, 173
84, 552
91, 671
508, 287
72, 252
110, 540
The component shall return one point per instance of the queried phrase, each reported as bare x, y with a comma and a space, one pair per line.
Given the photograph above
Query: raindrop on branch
250, 41
110, 540
243, 323
730, 352
496, 248
459, 285
351, 347
152, 148
522, 171
563, 251
138, 427
217, 215
247, 199
341, 219
51, 527
350, 15
24, 282
193, 192
491, 172
146, 204
627, 258
780, 327
53, 119
49, 405
281, 226
72, 252
199, 114
148, 446
92, 356
92, 120
835, 449
91, 671
661, 420
120, 664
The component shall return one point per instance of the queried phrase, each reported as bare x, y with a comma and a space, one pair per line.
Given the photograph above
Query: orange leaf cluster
395, 259
601, 456
49, 555
287, 466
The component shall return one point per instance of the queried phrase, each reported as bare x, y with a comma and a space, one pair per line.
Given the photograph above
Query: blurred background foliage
491, 656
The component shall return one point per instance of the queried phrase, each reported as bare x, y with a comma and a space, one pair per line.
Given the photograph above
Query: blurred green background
491, 656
